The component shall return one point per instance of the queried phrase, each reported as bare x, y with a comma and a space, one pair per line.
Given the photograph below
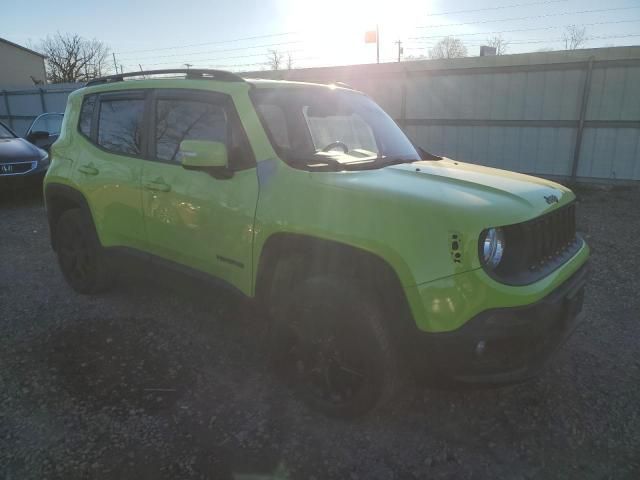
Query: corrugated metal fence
18, 108
554, 114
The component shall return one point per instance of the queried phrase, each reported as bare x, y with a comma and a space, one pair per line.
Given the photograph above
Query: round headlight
492, 247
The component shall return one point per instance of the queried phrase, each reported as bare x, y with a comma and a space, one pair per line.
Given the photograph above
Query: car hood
470, 193
18, 150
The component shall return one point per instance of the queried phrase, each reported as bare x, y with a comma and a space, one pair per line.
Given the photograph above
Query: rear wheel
331, 344
80, 255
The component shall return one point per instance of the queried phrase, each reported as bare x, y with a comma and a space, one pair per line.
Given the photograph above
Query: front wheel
332, 345
80, 255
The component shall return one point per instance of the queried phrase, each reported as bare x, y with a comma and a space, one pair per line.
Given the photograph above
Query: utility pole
115, 64
188, 65
377, 44
400, 49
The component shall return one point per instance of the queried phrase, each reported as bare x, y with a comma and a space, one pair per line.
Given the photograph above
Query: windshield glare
311, 123
5, 132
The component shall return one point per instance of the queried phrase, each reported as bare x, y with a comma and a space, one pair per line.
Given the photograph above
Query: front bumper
504, 345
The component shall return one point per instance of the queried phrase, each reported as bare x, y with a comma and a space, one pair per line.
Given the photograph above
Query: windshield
312, 125
5, 132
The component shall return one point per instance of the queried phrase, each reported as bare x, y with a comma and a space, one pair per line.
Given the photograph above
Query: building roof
3, 40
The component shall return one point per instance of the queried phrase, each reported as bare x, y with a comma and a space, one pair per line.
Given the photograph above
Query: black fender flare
317, 256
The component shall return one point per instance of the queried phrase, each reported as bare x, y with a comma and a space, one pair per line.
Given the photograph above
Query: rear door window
121, 126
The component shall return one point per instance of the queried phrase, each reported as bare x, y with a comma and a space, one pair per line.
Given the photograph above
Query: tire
331, 345
80, 255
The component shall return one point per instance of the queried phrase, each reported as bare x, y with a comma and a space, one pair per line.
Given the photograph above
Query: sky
238, 35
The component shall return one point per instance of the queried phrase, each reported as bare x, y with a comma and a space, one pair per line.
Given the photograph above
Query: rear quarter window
86, 115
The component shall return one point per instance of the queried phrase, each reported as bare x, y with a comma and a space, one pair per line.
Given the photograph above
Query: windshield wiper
355, 164
387, 161
323, 162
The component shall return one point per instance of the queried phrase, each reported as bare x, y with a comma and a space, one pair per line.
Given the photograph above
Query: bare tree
289, 61
448, 47
574, 37
71, 58
274, 60
499, 43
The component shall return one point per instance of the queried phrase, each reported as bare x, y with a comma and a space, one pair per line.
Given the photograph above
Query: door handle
157, 186
88, 170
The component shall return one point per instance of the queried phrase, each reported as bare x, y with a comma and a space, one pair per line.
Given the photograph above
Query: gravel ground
154, 381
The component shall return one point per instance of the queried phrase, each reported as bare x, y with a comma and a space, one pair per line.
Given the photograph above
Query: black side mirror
37, 135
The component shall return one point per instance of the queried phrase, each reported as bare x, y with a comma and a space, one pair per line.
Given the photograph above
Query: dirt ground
162, 378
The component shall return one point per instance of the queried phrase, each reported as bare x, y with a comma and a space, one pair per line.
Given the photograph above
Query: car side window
277, 123
86, 115
178, 120
47, 122
120, 125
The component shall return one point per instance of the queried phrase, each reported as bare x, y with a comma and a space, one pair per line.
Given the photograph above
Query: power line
200, 60
271, 35
535, 41
529, 17
603, 37
249, 47
210, 43
522, 30
258, 63
500, 7
211, 52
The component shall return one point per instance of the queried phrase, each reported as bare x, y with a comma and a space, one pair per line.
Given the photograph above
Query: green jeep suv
369, 257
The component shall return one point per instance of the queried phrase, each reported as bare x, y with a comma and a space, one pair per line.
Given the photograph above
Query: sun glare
333, 30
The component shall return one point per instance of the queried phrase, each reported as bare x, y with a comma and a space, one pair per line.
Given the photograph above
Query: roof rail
343, 85
190, 73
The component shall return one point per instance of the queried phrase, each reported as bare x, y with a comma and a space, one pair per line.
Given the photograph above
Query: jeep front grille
549, 235
535, 248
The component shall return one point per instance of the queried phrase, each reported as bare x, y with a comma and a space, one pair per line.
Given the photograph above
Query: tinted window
86, 115
49, 122
178, 120
120, 126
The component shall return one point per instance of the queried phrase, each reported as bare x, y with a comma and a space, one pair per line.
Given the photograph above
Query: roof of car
216, 80
270, 83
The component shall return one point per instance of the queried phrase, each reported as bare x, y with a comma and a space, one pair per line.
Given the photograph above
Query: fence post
42, 101
403, 106
583, 113
7, 108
